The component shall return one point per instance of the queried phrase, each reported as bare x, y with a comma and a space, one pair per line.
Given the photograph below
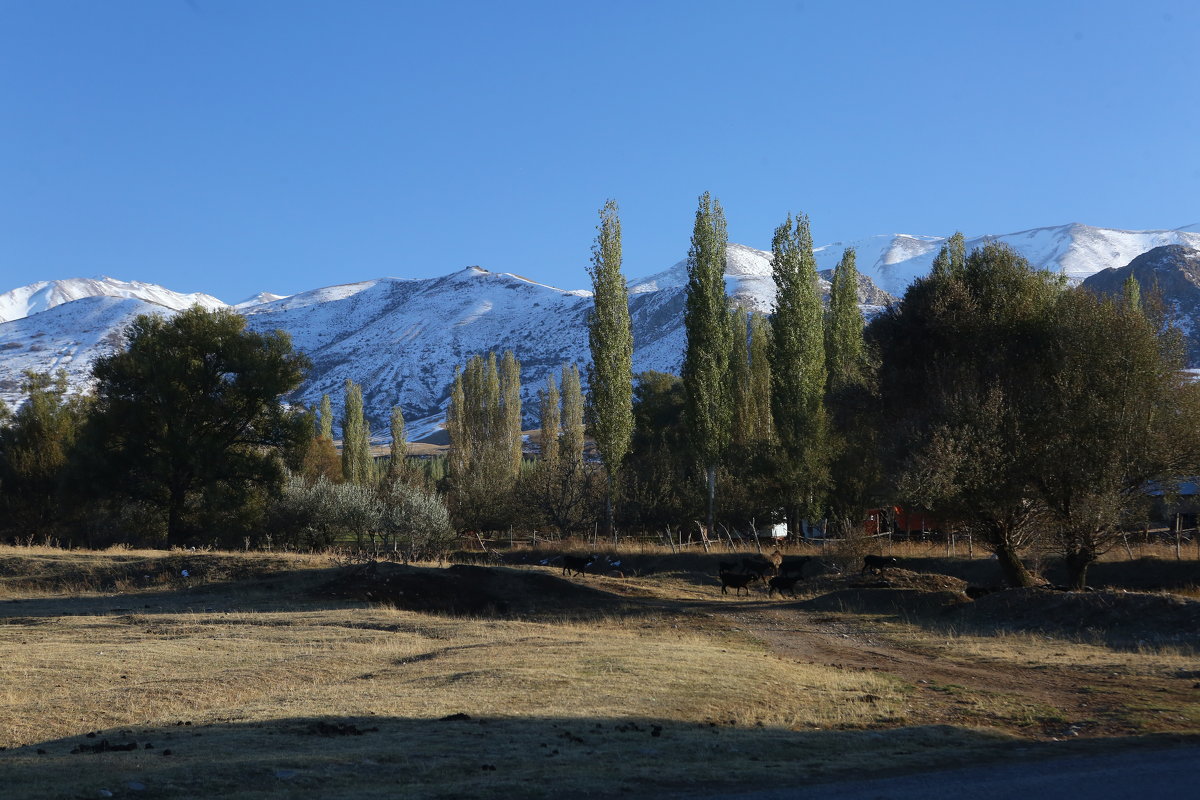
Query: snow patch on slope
262, 298
45, 295
69, 336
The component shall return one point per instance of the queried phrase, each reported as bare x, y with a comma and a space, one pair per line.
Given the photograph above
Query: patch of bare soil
1038, 701
467, 589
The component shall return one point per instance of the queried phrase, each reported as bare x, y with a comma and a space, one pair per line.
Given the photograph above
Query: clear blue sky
234, 146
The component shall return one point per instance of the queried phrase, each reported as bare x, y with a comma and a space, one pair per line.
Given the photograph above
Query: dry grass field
258, 675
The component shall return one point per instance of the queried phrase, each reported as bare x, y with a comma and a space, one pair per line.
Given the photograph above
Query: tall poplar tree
559, 487
484, 423
762, 429
610, 337
853, 464
399, 449
456, 427
356, 438
708, 409
476, 418
742, 429
951, 258
551, 423
326, 417
510, 399
571, 449
844, 347
798, 368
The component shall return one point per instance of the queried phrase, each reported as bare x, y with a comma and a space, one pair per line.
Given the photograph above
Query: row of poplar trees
765, 390
756, 391
486, 473
994, 396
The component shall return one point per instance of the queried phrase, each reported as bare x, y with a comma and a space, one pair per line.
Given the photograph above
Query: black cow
577, 564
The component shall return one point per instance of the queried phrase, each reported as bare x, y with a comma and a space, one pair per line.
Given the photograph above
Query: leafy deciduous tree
961, 386
190, 411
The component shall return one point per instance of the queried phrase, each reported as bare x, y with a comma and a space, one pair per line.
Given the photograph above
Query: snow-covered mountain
894, 261
401, 339
68, 336
44, 295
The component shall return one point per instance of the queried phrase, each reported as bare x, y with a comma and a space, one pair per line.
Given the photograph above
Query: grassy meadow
246, 678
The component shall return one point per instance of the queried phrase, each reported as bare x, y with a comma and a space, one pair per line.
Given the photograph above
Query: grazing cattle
759, 566
577, 564
737, 580
794, 565
781, 584
877, 563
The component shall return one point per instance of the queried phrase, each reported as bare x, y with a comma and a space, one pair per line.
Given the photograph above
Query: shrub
414, 523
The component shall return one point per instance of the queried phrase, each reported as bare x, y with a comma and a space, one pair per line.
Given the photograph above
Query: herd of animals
780, 573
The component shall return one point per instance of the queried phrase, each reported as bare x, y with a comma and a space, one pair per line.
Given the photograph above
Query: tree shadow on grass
1119, 620
464, 756
457, 590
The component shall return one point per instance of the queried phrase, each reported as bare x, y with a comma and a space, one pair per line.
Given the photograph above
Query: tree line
992, 396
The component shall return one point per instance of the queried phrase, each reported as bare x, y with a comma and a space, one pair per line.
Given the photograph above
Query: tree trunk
710, 475
1077, 562
175, 516
609, 524
1015, 573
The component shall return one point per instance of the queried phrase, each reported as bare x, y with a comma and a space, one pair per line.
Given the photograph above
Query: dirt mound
884, 601
1143, 617
888, 591
469, 589
896, 578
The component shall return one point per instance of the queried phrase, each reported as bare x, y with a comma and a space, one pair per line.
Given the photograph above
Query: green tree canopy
1117, 412
962, 362
35, 450
191, 409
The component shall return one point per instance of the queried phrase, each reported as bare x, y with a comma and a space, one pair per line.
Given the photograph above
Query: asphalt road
1140, 775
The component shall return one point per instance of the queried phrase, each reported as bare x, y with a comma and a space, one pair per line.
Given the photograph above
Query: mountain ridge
400, 338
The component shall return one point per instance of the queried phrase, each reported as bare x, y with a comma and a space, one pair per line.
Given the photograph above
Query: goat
877, 563
737, 580
781, 584
577, 564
